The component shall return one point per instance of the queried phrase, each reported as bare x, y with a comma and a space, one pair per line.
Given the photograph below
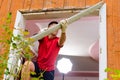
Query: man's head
51, 24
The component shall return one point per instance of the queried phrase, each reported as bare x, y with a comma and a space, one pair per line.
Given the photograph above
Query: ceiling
54, 13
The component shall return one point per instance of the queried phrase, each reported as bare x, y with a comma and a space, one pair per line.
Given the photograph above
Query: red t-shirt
47, 53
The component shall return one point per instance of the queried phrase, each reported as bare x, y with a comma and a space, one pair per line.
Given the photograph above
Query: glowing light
64, 65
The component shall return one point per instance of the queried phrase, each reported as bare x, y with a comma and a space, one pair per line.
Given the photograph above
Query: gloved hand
63, 25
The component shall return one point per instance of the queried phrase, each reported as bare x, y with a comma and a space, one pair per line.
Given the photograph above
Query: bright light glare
64, 65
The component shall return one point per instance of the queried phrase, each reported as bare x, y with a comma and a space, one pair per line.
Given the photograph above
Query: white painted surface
13, 57
103, 44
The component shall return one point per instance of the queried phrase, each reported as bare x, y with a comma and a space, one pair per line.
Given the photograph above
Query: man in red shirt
47, 54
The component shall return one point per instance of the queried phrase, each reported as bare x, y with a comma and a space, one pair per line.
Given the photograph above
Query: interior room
81, 46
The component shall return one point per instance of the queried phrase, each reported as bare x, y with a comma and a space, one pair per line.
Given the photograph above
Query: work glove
63, 24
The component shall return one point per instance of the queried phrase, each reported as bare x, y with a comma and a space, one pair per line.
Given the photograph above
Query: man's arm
62, 39
63, 33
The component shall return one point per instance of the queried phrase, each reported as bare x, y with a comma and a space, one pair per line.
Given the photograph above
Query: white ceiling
80, 34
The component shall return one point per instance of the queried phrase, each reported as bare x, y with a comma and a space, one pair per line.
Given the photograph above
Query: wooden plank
3, 11
48, 4
114, 36
27, 4
37, 4
109, 31
14, 8
75, 3
117, 36
59, 3
113, 32
91, 2
81, 3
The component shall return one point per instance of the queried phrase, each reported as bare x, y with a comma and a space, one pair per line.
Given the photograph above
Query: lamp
64, 66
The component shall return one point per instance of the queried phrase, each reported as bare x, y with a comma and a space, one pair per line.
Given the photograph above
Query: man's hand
63, 25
